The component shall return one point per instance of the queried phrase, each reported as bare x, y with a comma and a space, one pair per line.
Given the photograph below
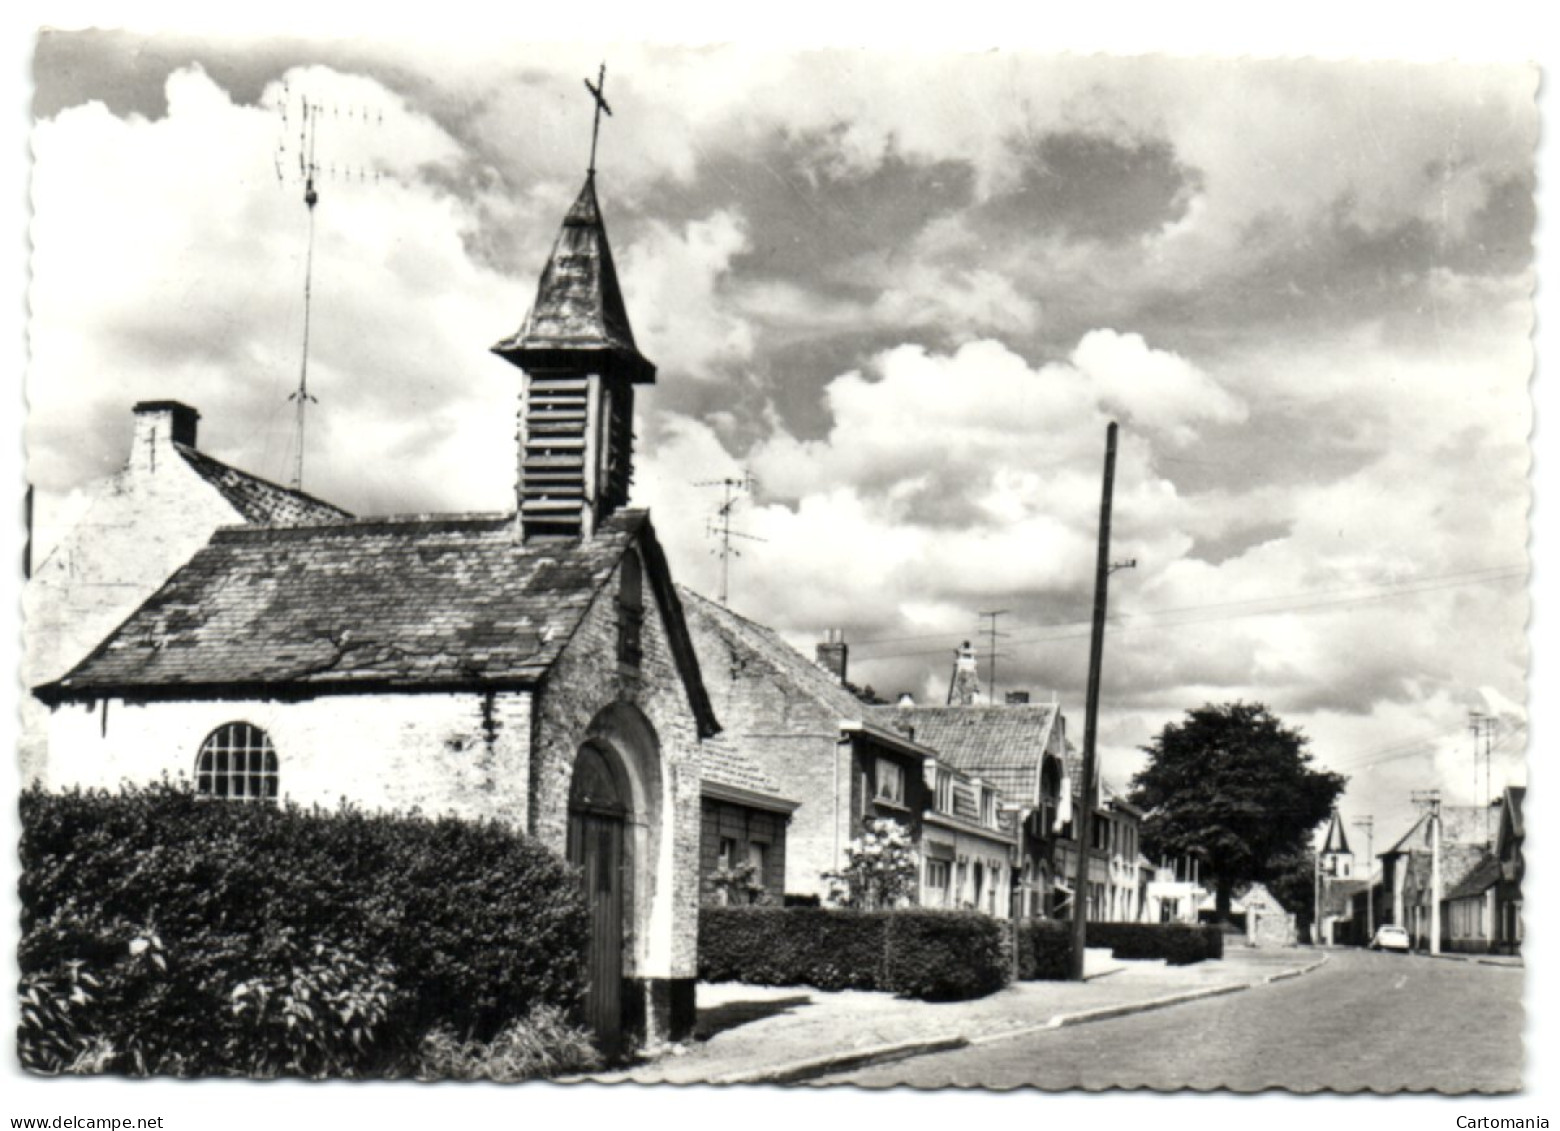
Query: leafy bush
936, 955
1179, 944
192, 938
544, 1043
944, 955
880, 868
1045, 950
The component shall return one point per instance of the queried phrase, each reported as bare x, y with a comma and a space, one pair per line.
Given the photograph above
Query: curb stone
804, 1070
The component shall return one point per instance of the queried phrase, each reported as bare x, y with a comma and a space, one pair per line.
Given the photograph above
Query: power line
1473, 575
1134, 622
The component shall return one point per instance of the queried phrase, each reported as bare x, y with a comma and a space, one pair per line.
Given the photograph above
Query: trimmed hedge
944, 955
1179, 944
162, 933
1045, 950
932, 955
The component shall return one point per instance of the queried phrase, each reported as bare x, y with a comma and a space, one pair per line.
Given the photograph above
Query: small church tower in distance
580, 365
1337, 859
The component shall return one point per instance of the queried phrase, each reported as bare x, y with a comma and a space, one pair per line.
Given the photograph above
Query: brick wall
796, 742
143, 524
589, 693
464, 754
743, 826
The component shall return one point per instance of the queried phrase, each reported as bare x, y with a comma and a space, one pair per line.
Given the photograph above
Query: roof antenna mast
309, 172
719, 526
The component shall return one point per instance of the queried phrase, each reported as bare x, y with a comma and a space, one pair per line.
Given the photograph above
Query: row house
968, 844
1018, 752
815, 744
1115, 888
1482, 913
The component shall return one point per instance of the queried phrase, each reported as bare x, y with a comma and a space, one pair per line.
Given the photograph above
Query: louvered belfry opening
577, 403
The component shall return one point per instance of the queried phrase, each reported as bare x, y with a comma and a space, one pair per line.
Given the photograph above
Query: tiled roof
579, 305
1002, 745
1485, 875
763, 645
259, 500
414, 601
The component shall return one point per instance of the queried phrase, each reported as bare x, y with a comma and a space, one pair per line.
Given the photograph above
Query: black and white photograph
839, 569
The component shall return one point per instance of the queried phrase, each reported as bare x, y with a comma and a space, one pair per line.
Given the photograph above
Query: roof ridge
195, 455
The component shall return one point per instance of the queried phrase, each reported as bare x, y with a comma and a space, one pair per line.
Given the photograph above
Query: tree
1235, 788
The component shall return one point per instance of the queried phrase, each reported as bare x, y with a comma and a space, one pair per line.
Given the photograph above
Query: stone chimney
1017, 698
158, 426
833, 653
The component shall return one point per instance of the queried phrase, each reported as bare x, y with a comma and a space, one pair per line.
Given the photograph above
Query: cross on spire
595, 89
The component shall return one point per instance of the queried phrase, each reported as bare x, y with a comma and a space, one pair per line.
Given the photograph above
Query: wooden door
596, 847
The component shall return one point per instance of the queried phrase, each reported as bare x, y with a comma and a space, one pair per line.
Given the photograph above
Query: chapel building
533, 668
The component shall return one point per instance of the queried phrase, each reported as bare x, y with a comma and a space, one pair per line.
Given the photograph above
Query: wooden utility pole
1083, 824
1368, 823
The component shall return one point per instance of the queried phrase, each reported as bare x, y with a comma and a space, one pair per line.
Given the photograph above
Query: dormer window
944, 797
631, 610
988, 807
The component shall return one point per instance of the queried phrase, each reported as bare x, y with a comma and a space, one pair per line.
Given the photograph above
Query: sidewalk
763, 1034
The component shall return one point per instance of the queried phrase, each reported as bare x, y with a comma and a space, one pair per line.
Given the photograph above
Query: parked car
1390, 938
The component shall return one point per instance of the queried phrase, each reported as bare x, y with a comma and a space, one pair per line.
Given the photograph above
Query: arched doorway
598, 814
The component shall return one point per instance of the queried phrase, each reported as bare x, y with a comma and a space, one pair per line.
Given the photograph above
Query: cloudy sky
906, 292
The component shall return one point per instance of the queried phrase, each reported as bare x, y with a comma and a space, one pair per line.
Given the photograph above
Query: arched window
631, 609
238, 762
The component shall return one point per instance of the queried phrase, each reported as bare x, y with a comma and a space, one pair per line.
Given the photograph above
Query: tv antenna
719, 524
309, 116
993, 634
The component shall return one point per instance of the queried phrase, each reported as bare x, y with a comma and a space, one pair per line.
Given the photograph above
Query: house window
237, 761
631, 609
988, 807
727, 853
890, 782
757, 853
937, 877
944, 801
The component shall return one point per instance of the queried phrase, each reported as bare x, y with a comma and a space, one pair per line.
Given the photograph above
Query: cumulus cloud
908, 298
684, 319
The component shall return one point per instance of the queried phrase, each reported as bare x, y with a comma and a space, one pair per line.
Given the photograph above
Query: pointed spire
1337, 843
579, 320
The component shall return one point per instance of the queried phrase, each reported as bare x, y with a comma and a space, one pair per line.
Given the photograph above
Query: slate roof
579, 304
1002, 745
1460, 824
1337, 842
764, 645
1485, 875
1514, 797
412, 602
1458, 862
259, 500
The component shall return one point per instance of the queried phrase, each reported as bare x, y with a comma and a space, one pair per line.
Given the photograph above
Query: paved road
1364, 1021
